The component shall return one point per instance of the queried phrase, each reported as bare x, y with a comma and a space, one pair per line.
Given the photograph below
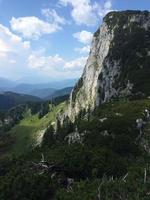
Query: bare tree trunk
99, 193
124, 178
145, 175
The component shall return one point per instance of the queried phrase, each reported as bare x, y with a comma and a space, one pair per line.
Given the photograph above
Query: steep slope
118, 64
28, 132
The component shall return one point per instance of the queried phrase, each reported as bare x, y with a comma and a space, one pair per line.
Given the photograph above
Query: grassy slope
27, 132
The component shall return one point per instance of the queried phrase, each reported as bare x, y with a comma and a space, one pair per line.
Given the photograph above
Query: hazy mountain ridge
43, 90
6, 84
58, 93
14, 86
43, 93
10, 99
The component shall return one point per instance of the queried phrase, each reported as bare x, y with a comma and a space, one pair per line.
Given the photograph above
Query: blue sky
44, 40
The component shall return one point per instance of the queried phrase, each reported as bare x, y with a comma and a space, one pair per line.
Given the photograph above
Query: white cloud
76, 64
13, 61
53, 17
102, 10
56, 64
45, 63
82, 11
84, 37
18, 59
87, 12
11, 43
13, 53
108, 5
83, 50
32, 27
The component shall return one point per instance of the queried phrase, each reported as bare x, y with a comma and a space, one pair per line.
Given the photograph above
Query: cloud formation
11, 43
13, 53
33, 28
84, 37
87, 12
76, 64
52, 17
53, 64
48, 63
18, 58
83, 50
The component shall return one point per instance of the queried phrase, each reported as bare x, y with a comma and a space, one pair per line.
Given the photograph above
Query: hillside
10, 99
28, 133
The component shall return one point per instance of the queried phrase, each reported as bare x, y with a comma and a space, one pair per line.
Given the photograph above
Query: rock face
119, 62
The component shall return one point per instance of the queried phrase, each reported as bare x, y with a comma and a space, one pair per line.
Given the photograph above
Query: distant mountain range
6, 84
10, 99
42, 90
58, 93
43, 93
12, 94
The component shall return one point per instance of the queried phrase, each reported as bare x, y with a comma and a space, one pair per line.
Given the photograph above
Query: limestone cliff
119, 62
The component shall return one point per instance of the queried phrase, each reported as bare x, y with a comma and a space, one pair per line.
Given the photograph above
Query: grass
27, 133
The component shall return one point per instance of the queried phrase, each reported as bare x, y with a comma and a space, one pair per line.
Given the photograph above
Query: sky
46, 40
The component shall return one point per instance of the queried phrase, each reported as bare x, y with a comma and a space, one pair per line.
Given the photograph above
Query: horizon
49, 40
21, 82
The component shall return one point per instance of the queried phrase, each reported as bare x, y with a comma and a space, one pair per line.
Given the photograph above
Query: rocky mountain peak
118, 65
